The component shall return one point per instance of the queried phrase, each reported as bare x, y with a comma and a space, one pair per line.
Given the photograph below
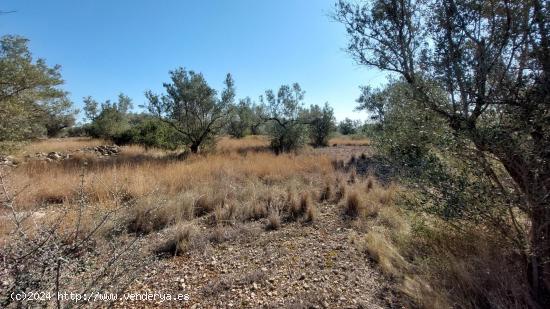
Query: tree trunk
531, 177
194, 148
535, 189
539, 265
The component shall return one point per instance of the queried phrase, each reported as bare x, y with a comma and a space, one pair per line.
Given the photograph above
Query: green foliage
491, 62
151, 132
374, 101
241, 119
191, 107
31, 102
258, 125
109, 120
321, 124
430, 158
348, 126
285, 127
58, 118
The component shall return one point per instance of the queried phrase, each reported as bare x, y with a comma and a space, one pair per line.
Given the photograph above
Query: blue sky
107, 47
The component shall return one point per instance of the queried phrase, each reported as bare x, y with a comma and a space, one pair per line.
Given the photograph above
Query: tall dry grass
349, 141
251, 143
434, 265
138, 174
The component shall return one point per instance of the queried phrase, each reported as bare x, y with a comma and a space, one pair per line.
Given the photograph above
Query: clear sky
107, 47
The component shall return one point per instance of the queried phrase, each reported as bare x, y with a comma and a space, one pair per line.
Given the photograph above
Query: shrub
111, 120
353, 205
273, 220
153, 133
326, 193
311, 213
348, 126
66, 251
180, 239
241, 119
321, 124
286, 129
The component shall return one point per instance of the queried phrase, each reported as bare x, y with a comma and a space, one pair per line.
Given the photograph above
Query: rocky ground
298, 266
55, 156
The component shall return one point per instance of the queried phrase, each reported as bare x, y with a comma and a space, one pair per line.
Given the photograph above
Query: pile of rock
50, 156
7, 161
104, 150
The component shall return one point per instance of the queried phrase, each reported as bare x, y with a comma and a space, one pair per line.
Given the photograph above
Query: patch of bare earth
297, 266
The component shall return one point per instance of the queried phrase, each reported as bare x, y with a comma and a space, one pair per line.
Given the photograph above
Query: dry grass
434, 265
311, 214
353, 205
226, 186
251, 143
340, 192
273, 220
326, 193
181, 238
213, 176
366, 199
349, 141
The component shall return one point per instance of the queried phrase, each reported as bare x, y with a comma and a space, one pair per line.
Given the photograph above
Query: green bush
111, 121
321, 124
286, 127
154, 133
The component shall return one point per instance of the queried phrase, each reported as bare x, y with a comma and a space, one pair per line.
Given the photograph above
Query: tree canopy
192, 107
32, 103
491, 62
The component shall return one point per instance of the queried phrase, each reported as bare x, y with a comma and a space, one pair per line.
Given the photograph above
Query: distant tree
286, 128
491, 59
257, 124
348, 126
321, 123
241, 119
31, 102
109, 119
192, 108
59, 117
91, 108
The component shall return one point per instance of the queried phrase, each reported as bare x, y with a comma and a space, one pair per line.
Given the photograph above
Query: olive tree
241, 119
492, 61
109, 120
348, 126
321, 124
286, 128
32, 104
192, 107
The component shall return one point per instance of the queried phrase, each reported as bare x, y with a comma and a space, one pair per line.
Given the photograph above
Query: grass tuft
273, 220
180, 239
353, 205
326, 193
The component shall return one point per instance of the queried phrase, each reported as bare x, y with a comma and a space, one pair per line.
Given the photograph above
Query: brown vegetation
154, 195
348, 141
